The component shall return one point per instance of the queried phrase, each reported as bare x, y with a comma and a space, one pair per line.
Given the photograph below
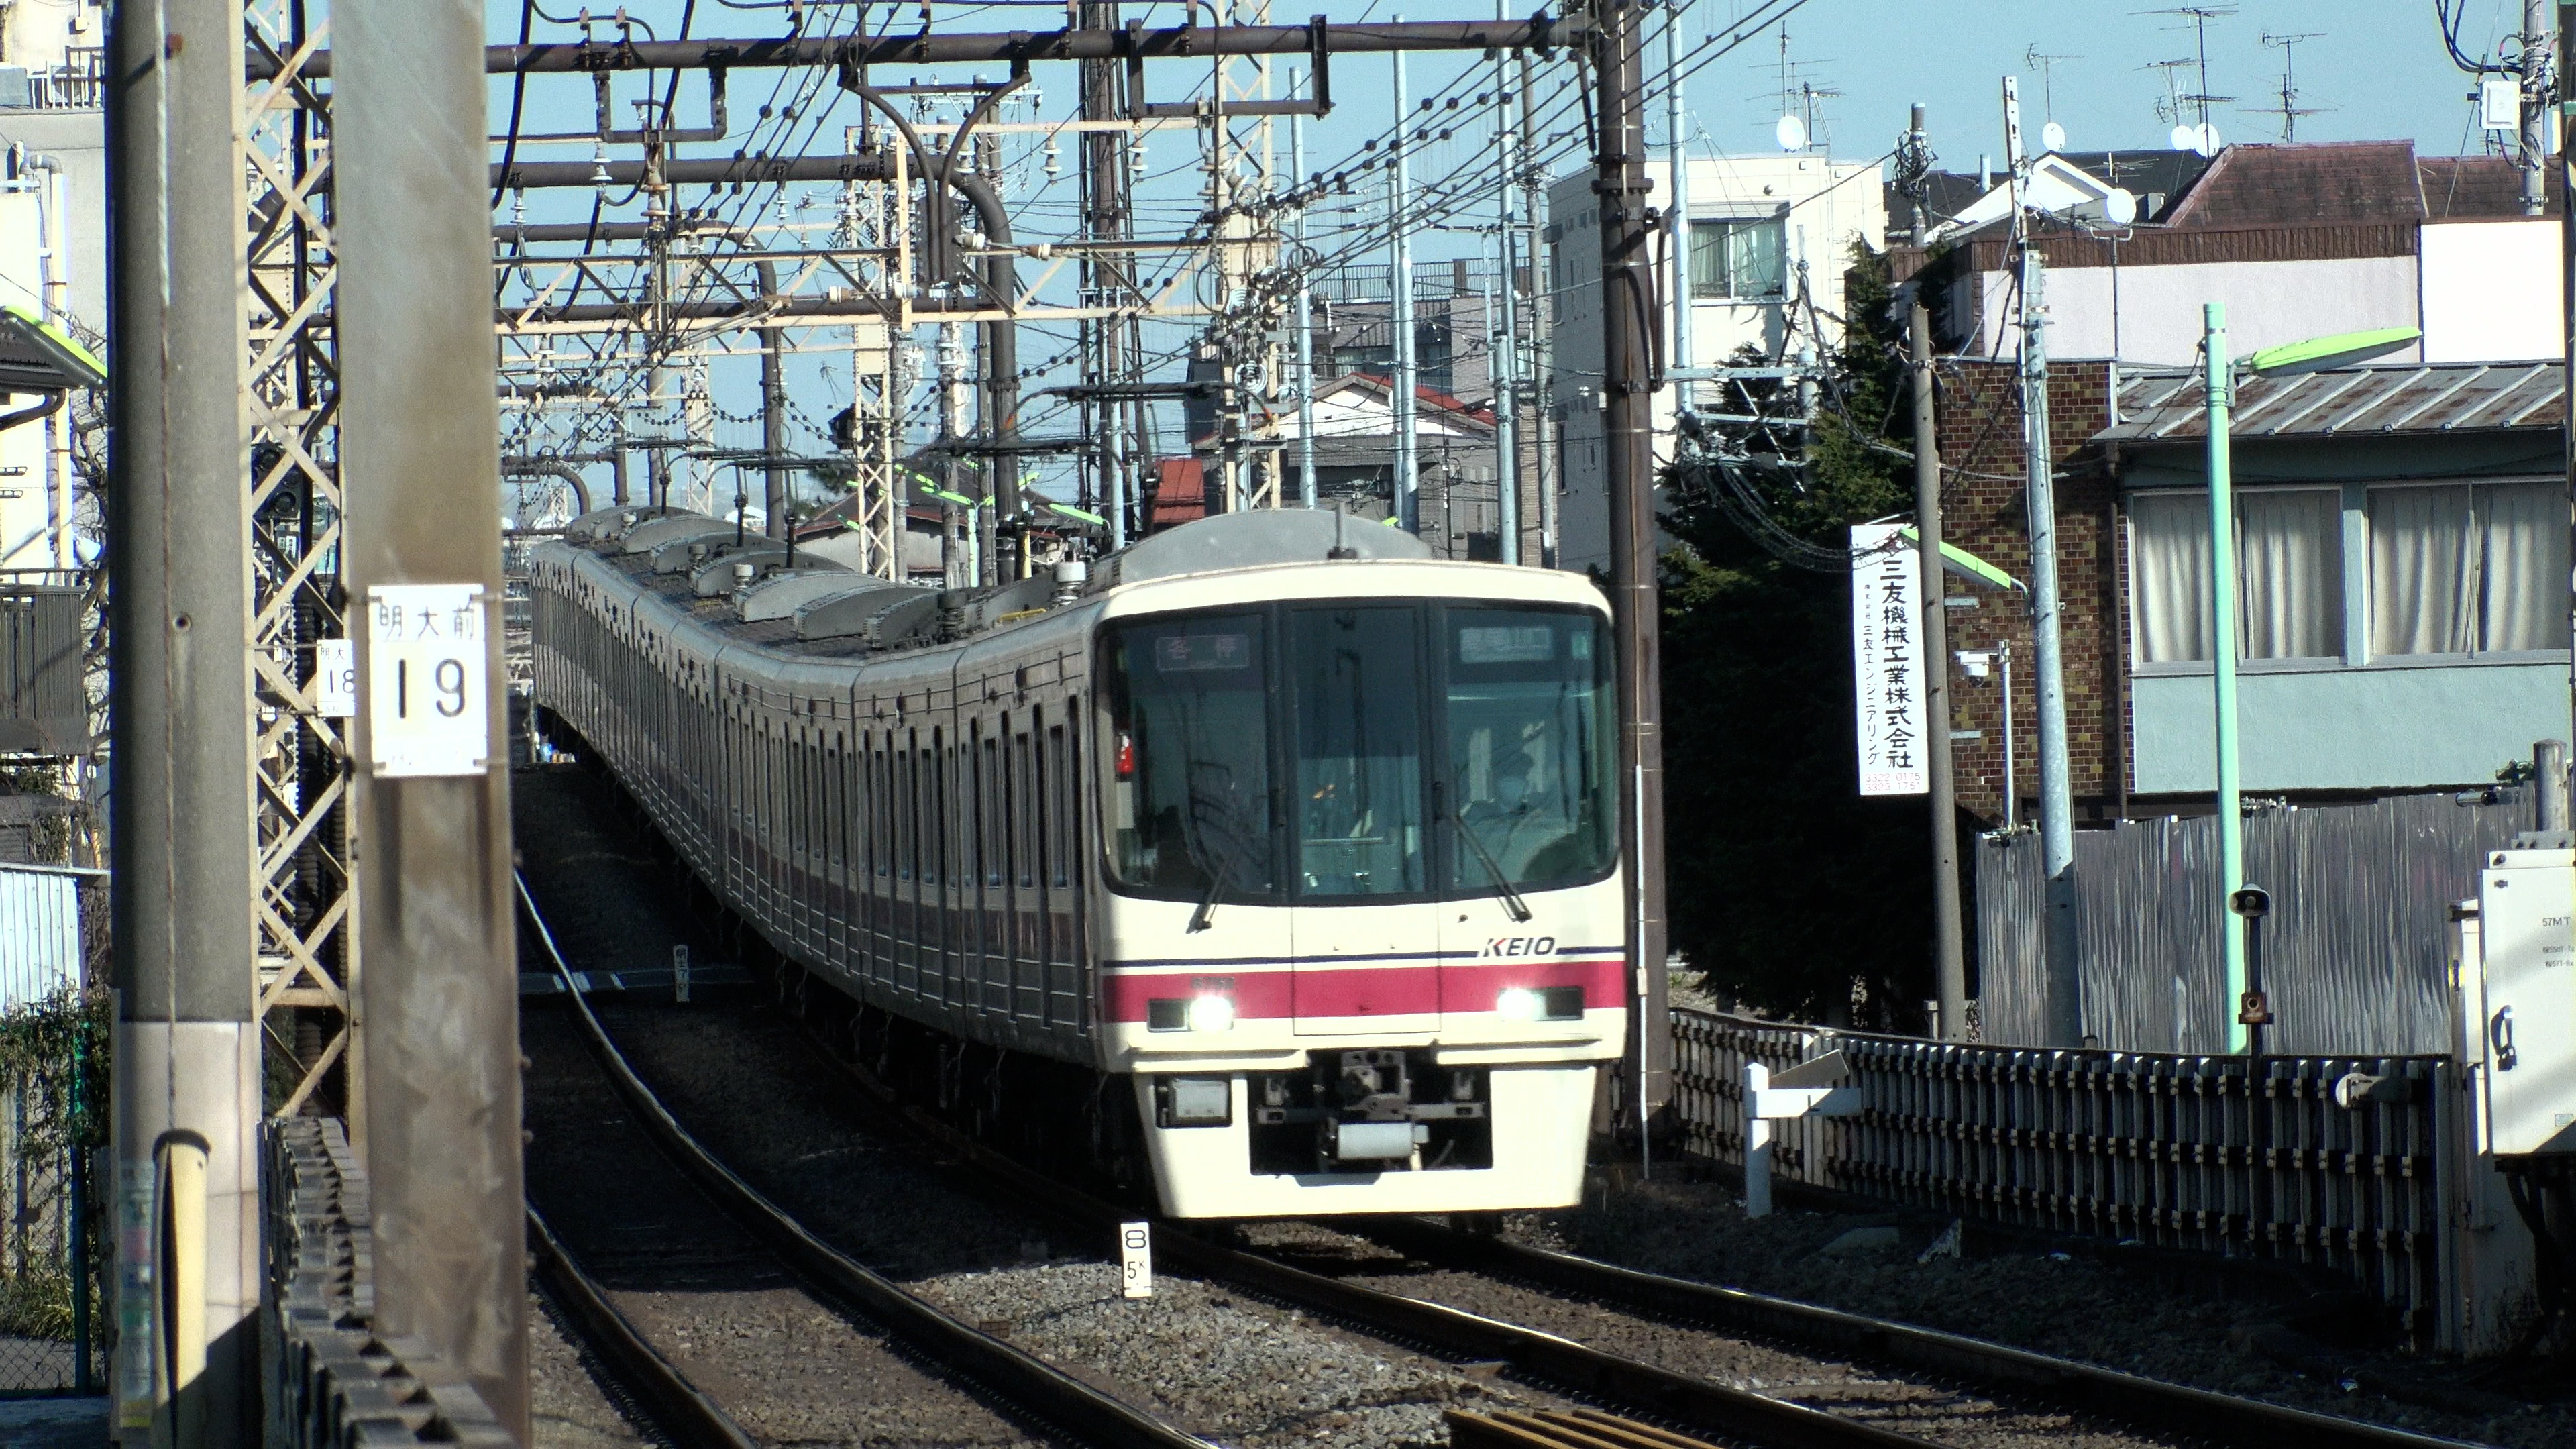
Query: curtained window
1738, 258
2468, 568
2289, 575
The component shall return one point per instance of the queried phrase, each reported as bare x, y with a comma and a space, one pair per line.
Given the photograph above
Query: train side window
1024, 810
903, 831
1059, 798
881, 813
935, 865
990, 782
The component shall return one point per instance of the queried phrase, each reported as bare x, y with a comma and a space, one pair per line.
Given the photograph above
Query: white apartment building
53, 263
1770, 239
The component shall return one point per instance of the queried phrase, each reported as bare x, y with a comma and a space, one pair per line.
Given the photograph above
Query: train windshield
1449, 750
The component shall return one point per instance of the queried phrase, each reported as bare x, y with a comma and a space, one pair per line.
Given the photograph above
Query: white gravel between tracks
1241, 1371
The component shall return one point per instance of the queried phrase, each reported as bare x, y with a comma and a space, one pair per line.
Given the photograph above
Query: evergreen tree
1785, 884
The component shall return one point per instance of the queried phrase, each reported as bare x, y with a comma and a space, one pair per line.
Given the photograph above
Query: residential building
1770, 239
2401, 536
53, 261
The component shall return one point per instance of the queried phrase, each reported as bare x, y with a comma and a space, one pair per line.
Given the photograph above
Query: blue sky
2373, 70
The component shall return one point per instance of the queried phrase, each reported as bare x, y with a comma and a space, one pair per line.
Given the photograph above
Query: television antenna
2046, 64
2290, 108
2199, 16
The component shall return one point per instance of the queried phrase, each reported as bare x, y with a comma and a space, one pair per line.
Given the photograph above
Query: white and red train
1305, 844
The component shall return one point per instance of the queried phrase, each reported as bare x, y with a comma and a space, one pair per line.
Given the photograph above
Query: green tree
1785, 884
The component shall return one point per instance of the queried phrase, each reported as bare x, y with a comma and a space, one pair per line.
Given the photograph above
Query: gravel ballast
2069, 1300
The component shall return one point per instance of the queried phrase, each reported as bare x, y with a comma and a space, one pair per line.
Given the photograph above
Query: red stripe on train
1279, 993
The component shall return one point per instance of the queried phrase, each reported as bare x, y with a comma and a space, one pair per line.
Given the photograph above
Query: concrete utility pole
1627, 291
2056, 791
1399, 318
420, 443
773, 415
1949, 953
187, 1083
1305, 315
2535, 107
1542, 317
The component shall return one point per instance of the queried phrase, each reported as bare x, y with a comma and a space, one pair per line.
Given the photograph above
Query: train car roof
1294, 553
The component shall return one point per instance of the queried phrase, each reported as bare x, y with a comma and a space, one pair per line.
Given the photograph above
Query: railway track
1997, 1376
1007, 1395
1941, 1388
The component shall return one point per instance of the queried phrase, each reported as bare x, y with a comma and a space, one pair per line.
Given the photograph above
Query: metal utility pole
420, 445
1542, 316
187, 1079
1627, 291
2535, 107
773, 417
2056, 791
1399, 184
1506, 347
1305, 315
1949, 952
1677, 214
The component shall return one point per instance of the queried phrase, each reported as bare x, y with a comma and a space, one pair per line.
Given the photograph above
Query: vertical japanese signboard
1887, 660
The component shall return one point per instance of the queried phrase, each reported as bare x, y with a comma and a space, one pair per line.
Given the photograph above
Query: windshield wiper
1207, 903
1512, 901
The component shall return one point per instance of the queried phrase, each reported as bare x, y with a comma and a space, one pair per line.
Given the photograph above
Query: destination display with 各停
427, 680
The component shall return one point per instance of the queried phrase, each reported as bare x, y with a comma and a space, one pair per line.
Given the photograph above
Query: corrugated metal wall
2356, 954
40, 932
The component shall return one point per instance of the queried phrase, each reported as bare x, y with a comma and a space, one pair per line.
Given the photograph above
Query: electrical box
2527, 1000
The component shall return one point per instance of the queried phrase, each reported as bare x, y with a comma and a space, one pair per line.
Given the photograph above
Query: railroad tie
1552, 1429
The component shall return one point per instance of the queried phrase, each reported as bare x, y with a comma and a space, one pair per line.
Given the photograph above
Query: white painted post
1757, 1144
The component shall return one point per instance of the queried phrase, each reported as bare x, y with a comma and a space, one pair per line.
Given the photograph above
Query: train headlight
1212, 1013
1516, 1003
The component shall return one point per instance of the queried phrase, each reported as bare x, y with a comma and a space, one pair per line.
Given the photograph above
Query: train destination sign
1887, 661
427, 706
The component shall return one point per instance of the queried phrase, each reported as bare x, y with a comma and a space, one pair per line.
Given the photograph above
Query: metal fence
333, 1384
53, 936
2356, 953
2247, 1157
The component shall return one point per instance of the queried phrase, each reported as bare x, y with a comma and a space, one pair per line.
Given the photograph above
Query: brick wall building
1980, 420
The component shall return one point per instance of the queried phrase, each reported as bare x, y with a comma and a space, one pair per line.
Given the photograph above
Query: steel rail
1177, 42
1640, 1387
679, 1408
2086, 1388
1024, 1379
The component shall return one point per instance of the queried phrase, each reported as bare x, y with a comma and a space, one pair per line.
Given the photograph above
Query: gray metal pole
1949, 954
1542, 320
773, 414
1408, 476
1627, 283
1507, 432
1677, 157
2549, 784
1305, 316
2535, 107
1504, 348
2056, 791
420, 432
178, 538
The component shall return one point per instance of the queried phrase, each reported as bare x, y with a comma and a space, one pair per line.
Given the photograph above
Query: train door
1354, 738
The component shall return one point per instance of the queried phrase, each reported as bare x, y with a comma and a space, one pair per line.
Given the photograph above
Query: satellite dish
2205, 140
2183, 139
1791, 133
2052, 137
2120, 208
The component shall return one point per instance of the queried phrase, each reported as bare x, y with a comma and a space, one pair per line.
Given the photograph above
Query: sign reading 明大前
1887, 661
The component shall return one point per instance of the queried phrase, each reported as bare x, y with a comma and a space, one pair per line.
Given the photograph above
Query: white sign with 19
427, 680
